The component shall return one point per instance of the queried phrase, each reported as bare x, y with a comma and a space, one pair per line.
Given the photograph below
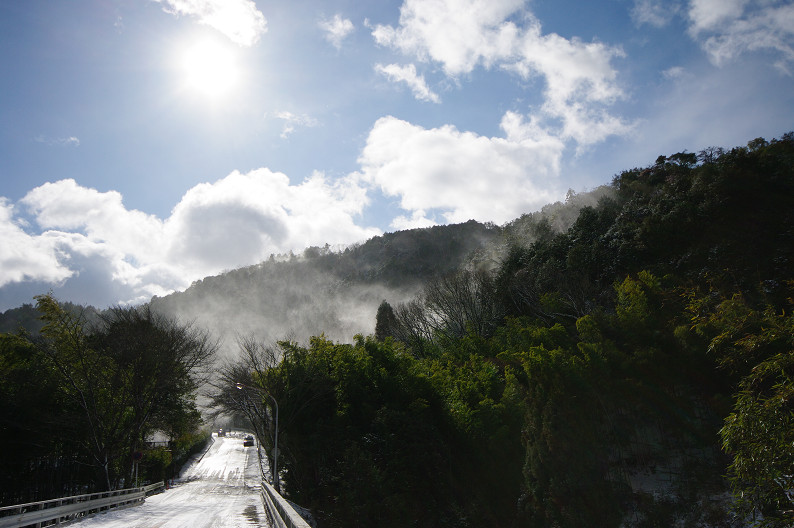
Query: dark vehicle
249, 441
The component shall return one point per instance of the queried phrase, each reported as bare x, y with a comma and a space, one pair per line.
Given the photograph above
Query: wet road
221, 490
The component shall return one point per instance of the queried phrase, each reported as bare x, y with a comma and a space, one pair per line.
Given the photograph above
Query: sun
209, 68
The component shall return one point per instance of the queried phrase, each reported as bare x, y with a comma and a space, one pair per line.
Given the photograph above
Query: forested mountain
322, 290
28, 318
337, 292
628, 371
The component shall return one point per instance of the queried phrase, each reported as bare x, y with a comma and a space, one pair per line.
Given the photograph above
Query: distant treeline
630, 370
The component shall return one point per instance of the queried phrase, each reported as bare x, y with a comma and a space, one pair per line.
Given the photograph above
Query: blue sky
145, 144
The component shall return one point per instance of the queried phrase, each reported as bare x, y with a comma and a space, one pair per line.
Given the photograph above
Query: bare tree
248, 370
451, 306
463, 302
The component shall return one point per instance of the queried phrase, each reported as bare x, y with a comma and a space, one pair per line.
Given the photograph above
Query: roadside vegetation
78, 403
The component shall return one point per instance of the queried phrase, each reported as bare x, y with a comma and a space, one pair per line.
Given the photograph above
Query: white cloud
336, 29
674, 73
71, 141
90, 236
461, 175
239, 20
101, 217
580, 83
291, 121
710, 14
407, 74
727, 29
26, 257
464, 34
655, 13
243, 218
417, 220
460, 34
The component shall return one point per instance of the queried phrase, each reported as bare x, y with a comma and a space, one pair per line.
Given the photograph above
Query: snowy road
219, 491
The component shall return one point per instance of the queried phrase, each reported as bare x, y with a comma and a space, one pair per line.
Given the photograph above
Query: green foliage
156, 461
385, 322
29, 429
566, 477
759, 433
634, 307
760, 436
618, 364
82, 397
362, 432
727, 223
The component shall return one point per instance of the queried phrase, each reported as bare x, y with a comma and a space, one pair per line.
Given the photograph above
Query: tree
90, 380
759, 433
449, 307
39, 443
385, 322
248, 370
362, 433
137, 371
161, 364
413, 326
463, 302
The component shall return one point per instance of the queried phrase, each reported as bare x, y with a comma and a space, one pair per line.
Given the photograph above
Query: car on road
249, 441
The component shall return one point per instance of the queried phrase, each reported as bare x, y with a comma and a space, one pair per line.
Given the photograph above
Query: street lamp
274, 476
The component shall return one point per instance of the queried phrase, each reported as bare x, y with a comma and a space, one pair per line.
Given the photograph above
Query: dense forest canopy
623, 359
610, 373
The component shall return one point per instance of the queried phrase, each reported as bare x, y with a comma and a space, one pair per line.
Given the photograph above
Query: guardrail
281, 512
56, 511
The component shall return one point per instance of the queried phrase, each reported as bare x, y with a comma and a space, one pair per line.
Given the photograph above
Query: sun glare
209, 68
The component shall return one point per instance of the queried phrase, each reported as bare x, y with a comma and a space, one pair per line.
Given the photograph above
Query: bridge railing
281, 512
55, 511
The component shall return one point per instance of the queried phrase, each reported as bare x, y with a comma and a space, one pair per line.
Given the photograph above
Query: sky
145, 144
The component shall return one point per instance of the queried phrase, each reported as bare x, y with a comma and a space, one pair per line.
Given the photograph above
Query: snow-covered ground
221, 490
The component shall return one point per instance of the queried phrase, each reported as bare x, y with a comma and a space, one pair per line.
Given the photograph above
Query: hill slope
323, 291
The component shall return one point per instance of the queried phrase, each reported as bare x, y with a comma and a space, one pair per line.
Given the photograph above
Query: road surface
221, 490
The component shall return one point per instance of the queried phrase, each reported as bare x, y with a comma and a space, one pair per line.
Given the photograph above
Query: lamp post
274, 475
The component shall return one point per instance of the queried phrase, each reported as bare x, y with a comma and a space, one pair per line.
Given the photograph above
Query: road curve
221, 490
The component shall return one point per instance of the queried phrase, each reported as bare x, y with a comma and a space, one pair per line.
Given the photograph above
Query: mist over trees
624, 358
334, 292
630, 369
